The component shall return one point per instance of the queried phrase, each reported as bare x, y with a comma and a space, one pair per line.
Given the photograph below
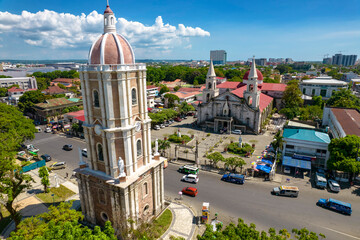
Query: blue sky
302, 30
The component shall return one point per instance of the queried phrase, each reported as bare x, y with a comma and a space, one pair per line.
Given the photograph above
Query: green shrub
208, 135
234, 148
175, 139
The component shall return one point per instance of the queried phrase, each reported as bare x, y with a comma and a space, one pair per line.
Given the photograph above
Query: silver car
192, 178
334, 185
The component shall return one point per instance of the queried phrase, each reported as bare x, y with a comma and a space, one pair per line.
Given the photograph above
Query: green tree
163, 145
59, 223
29, 99
61, 86
343, 98
292, 100
176, 88
44, 175
215, 158
15, 129
282, 68
164, 89
243, 231
3, 92
171, 98
344, 153
184, 108
234, 162
317, 101
4, 76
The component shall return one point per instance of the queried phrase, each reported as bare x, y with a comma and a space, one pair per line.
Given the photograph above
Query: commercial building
321, 86
344, 60
218, 57
305, 148
327, 61
261, 61
23, 82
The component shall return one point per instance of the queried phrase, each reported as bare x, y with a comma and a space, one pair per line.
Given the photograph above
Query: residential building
52, 109
23, 82
305, 148
67, 82
342, 121
152, 90
350, 76
244, 108
344, 60
14, 95
52, 90
122, 178
321, 86
218, 57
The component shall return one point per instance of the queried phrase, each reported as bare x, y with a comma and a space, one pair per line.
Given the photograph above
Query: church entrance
223, 124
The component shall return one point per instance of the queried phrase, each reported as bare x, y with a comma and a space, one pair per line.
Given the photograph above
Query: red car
191, 191
177, 119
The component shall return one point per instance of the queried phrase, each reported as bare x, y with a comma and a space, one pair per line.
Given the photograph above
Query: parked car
234, 178
58, 165
191, 191
166, 124
68, 147
162, 125
48, 130
190, 114
31, 148
84, 152
320, 180
177, 119
289, 191
333, 185
238, 132
156, 127
46, 157
192, 178
335, 205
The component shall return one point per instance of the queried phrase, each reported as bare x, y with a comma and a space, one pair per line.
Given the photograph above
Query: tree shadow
356, 191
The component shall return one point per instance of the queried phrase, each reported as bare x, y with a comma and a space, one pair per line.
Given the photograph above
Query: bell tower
252, 94
210, 90
120, 179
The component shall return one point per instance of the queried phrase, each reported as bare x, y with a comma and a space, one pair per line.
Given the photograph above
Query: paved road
254, 203
52, 144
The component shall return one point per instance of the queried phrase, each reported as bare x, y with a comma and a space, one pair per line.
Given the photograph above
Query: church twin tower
120, 179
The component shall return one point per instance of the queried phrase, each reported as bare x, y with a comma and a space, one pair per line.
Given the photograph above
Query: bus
335, 205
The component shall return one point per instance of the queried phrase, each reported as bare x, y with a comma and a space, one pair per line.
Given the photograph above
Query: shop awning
292, 162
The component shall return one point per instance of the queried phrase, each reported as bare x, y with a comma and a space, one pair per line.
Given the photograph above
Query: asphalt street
253, 202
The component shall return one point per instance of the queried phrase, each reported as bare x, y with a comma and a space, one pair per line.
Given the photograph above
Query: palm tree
278, 142
163, 145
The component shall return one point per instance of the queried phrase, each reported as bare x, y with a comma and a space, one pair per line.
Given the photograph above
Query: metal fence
33, 166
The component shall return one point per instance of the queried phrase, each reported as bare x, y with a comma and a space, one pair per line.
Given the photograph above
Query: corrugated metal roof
306, 135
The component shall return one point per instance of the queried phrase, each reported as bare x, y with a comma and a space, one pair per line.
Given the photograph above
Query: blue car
234, 178
335, 205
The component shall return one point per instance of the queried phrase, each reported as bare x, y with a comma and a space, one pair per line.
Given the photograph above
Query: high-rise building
327, 60
261, 61
218, 57
344, 60
122, 179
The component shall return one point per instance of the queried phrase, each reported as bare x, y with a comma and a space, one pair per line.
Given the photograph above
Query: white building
321, 86
304, 148
350, 76
342, 121
23, 82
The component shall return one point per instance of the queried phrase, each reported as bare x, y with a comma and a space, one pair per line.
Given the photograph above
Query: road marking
348, 235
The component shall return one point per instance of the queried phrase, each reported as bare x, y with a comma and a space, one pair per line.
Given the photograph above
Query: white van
289, 191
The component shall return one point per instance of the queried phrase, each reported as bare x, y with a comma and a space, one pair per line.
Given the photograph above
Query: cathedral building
121, 178
237, 106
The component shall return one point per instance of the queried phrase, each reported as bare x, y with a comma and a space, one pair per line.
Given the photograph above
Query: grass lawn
6, 220
162, 223
60, 194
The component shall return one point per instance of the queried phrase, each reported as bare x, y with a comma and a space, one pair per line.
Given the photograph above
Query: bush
234, 148
175, 139
208, 135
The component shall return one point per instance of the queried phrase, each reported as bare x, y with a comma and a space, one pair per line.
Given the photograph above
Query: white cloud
50, 29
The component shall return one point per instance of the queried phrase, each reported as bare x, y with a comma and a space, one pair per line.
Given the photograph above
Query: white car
238, 132
192, 178
48, 130
333, 185
84, 152
162, 125
156, 127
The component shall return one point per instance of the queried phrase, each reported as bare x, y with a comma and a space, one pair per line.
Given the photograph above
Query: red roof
260, 76
76, 114
189, 89
15, 89
220, 78
230, 85
349, 120
280, 87
151, 87
66, 80
81, 118
265, 100
54, 90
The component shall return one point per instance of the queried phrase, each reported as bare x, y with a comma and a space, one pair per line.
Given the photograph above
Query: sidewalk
183, 223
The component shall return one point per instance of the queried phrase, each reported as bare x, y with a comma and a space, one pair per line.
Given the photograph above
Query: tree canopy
60, 223
343, 153
292, 100
171, 98
343, 98
29, 99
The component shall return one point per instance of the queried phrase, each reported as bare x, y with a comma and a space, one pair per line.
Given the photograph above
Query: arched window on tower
251, 87
208, 97
112, 20
106, 22
100, 152
249, 100
209, 85
138, 148
133, 96
96, 98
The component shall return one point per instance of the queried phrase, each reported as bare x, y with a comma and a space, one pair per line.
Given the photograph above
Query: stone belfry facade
120, 179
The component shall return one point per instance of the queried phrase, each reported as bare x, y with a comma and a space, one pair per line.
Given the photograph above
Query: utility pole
197, 153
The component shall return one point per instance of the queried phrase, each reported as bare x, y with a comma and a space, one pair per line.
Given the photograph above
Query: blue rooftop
306, 134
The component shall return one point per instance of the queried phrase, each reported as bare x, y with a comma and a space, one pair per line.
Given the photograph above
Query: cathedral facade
121, 179
244, 108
